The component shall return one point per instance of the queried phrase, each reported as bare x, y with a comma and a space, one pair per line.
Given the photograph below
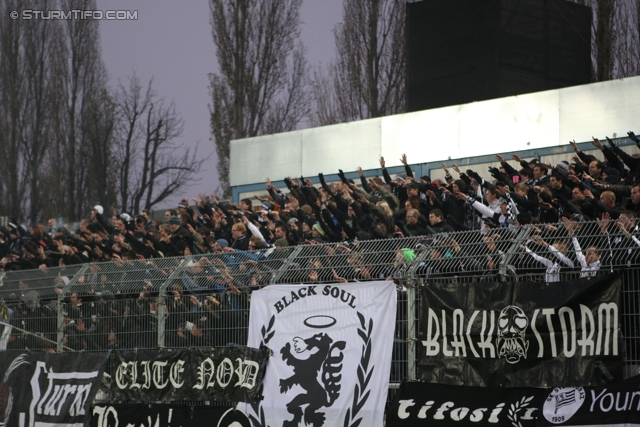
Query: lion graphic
323, 354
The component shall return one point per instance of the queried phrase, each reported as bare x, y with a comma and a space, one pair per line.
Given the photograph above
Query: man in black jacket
436, 219
239, 240
558, 189
413, 226
178, 232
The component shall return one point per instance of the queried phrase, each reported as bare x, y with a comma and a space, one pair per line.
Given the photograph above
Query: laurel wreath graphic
512, 414
267, 334
361, 392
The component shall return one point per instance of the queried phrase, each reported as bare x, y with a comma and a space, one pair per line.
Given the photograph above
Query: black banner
49, 389
226, 374
421, 404
521, 334
439, 405
162, 415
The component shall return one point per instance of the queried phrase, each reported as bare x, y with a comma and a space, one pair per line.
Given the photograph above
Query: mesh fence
204, 300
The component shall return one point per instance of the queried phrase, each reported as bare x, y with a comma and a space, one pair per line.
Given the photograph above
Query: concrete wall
535, 122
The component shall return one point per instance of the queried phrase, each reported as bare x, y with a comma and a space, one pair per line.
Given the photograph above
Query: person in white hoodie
590, 260
499, 210
558, 250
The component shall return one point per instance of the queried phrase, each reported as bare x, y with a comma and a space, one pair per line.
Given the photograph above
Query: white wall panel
532, 121
344, 146
599, 110
509, 124
272, 156
423, 136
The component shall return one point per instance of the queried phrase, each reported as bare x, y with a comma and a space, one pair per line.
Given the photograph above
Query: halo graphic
234, 417
320, 321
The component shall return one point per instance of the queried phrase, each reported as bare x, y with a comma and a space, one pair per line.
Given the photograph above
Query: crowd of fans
378, 208
581, 217
106, 320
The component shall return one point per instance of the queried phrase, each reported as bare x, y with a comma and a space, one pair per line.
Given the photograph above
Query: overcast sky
171, 42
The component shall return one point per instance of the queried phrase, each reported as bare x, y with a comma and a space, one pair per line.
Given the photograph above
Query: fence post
162, 296
411, 328
515, 247
162, 317
413, 281
60, 321
283, 268
60, 307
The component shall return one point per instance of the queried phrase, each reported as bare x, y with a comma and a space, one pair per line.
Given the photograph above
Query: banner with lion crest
331, 357
522, 334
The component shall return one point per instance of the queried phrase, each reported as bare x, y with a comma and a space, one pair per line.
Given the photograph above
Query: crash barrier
203, 300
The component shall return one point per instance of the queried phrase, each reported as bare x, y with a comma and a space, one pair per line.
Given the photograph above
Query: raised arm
407, 168
560, 256
546, 262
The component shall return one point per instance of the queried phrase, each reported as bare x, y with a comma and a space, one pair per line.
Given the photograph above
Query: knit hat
223, 243
613, 175
319, 229
409, 254
307, 209
281, 243
563, 168
99, 209
174, 220
524, 218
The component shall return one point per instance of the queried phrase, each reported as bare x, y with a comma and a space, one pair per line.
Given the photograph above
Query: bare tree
153, 164
51, 70
25, 92
325, 109
368, 75
59, 125
637, 20
615, 41
627, 41
98, 127
84, 76
41, 41
605, 38
261, 85
12, 101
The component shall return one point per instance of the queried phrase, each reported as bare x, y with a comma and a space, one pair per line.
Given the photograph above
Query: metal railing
204, 300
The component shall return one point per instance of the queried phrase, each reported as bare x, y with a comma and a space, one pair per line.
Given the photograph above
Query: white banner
331, 353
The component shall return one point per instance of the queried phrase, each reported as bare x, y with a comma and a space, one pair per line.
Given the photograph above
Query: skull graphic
512, 325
